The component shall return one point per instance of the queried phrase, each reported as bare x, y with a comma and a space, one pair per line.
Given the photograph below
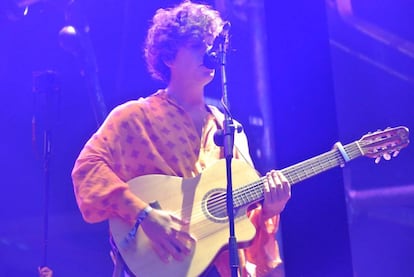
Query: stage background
326, 81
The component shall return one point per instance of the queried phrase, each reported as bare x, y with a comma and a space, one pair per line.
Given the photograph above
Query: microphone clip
219, 134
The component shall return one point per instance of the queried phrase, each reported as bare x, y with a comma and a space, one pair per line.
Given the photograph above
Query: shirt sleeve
264, 250
99, 191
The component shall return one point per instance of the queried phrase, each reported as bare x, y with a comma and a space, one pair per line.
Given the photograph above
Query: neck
185, 95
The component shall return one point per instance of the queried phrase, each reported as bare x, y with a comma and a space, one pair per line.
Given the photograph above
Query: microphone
211, 57
219, 134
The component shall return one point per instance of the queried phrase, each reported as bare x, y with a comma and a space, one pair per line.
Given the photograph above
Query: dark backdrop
308, 119
314, 225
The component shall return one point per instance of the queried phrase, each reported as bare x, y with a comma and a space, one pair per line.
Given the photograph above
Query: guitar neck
313, 166
253, 192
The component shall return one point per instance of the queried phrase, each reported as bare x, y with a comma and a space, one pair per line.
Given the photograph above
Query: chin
207, 75
209, 78
210, 73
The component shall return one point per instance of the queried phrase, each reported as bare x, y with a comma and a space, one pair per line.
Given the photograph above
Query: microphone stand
75, 38
228, 143
47, 91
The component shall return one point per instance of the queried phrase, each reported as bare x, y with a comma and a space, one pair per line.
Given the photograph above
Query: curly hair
174, 27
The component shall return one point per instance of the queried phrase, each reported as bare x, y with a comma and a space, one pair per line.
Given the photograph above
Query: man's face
188, 63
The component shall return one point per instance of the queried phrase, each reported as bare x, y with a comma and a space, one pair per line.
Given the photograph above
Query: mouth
210, 69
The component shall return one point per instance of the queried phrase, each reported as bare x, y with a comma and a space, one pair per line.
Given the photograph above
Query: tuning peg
386, 156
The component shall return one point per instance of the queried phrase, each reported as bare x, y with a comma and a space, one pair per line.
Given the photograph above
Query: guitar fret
245, 197
353, 150
313, 166
236, 201
238, 196
249, 194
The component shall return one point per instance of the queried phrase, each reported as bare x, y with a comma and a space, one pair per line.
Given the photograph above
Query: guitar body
201, 201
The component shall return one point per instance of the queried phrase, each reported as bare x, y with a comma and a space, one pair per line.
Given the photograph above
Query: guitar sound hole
215, 205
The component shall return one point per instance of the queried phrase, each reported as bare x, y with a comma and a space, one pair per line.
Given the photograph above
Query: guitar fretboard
253, 192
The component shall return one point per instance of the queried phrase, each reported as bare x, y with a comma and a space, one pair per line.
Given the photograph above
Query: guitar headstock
384, 143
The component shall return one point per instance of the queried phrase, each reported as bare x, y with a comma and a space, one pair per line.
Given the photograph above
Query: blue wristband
140, 217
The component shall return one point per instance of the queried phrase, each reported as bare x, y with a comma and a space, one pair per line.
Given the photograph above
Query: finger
179, 220
285, 184
282, 178
274, 182
185, 236
161, 252
179, 244
182, 234
278, 192
170, 248
266, 189
178, 249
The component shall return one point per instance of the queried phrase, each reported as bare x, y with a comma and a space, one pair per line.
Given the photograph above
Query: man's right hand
166, 232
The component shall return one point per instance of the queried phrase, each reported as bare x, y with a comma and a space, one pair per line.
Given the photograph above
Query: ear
169, 62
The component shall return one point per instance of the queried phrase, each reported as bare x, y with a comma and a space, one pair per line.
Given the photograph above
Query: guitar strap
120, 267
240, 140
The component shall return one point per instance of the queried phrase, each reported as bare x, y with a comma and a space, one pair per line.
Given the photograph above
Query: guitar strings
334, 159
243, 191
217, 203
352, 148
353, 151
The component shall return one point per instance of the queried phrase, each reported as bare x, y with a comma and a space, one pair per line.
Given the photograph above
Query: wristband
140, 217
143, 214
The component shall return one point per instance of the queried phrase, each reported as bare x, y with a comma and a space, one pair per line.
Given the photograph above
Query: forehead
199, 42
191, 49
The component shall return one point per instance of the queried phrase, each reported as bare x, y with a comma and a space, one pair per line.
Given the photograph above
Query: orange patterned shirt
156, 136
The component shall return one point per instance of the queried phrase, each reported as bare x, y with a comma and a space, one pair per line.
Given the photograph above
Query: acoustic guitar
202, 201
